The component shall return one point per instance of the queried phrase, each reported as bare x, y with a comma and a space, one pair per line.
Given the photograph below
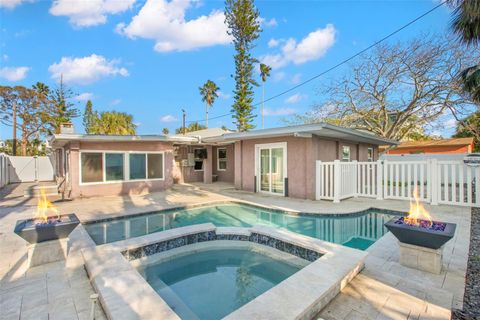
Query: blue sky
148, 58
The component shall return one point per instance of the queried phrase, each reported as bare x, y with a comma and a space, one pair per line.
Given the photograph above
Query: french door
271, 164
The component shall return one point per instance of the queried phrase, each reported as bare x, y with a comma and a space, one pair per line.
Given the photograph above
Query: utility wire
338, 64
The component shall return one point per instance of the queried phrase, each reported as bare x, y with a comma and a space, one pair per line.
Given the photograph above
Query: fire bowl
55, 228
424, 235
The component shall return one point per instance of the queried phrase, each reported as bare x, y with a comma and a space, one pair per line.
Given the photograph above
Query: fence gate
29, 169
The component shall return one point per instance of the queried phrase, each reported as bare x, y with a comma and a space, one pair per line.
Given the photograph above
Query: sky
148, 58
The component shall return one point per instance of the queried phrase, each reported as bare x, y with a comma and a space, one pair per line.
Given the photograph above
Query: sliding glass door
271, 168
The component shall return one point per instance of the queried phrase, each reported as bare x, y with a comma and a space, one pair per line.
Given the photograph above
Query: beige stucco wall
118, 188
301, 156
227, 175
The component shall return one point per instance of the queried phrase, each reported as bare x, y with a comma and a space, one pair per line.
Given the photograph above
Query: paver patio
383, 290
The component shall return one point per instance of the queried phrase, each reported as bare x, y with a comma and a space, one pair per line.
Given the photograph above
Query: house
279, 161
444, 146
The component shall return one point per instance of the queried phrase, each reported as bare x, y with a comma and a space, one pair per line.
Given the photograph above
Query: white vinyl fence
449, 182
3, 170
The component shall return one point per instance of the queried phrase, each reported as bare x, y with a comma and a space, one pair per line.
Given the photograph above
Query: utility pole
14, 142
184, 115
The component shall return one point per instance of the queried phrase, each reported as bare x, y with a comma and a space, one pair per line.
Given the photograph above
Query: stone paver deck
383, 290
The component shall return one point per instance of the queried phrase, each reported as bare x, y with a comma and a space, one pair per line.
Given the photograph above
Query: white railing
449, 182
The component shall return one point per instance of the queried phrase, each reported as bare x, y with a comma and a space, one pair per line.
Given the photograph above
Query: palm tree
466, 24
264, 73
114, 123
209, 92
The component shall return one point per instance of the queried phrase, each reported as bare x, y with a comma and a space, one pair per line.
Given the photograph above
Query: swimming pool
213, 282
354, 230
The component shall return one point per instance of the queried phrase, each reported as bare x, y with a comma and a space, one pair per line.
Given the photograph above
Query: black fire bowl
432, 237
55, 228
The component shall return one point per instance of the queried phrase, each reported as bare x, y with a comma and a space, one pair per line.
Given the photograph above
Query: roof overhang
307, 131
59, 140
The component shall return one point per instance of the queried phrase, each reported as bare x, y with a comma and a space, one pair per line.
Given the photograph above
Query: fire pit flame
44, 208
417, 215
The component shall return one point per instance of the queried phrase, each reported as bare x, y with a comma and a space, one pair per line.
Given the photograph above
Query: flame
44, 207
417, 212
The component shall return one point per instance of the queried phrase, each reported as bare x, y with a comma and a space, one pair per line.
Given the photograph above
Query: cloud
268, 23
84, 96
11, 4
223, 95
278, 76
450, 123
279, 111
296, 98
85, 70
296, 78
168, 118
272, 43
14, 73
89, 13
115, 102
165, 23
312, 47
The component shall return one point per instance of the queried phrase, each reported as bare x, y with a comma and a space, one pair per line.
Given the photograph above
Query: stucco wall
118, 188
301, 156
187, 174
228, 174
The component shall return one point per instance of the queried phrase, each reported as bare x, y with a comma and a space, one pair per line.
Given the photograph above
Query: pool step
35, 191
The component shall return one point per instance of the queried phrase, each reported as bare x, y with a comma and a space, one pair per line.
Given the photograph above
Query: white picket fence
448, 182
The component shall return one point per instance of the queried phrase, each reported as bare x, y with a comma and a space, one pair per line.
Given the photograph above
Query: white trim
257, 164
126, 167
224, 159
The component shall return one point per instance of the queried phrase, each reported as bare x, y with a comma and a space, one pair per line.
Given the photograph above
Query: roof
59, 140
436, 143
307, 130
207, 133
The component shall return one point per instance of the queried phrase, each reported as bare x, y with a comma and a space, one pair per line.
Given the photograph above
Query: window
222, 159
345, 153
155, 165
370, 154
114, 166
199, 155
138, 166
92, 167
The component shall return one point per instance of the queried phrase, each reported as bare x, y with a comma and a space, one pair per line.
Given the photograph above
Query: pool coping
125, 294
245, 203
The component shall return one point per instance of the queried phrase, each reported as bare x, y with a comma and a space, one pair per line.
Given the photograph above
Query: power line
341, 62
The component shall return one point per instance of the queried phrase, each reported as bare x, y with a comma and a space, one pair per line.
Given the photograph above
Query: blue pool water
357, 231
211, 284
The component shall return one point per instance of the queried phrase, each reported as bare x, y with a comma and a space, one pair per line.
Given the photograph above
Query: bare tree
396, 90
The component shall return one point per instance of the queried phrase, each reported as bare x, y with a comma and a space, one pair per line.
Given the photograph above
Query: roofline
300, 129
120, 138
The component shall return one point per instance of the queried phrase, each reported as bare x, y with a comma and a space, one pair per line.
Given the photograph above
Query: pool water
357, 231
213, 283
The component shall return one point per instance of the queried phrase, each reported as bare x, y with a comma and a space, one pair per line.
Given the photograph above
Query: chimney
66, 128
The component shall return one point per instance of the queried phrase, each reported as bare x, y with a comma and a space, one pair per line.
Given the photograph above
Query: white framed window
198, 156
221, 159
370, 154
117, 166
345, 153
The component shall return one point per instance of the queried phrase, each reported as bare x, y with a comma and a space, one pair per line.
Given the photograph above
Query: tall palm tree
208, 92
264, 73
114, 123
466, 24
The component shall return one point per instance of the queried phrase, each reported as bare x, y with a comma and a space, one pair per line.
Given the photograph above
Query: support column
207, 165
238, 165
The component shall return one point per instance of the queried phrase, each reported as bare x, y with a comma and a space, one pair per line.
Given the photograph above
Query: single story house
279, 161
443, 146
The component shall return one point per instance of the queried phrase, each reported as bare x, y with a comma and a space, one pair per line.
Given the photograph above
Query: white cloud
296, 98
168, 118
450, 123
268, 23
272, 43
165, 23
85, 70
84, 96
312, 47
5, 57
278, 76
296, 78
87, 13
279, 111
115, 102
223, 95
11, 4
14, 73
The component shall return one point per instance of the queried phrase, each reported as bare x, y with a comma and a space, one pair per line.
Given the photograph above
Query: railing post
318, 179
355, 179
433, 183
336, 181
379, 180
